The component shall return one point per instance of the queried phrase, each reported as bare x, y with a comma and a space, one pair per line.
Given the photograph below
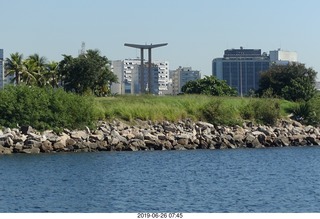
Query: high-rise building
241, 68
128, 73
181, 76
281, 57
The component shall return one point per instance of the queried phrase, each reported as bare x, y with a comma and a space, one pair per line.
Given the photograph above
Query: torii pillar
142, 47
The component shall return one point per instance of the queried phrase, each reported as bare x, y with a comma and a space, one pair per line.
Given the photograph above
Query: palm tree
14, 66
28, 75
39, 63
51, 74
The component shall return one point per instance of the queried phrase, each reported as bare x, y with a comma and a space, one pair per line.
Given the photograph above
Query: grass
175, 108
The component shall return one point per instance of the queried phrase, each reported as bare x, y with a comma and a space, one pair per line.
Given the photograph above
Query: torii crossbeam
148, 47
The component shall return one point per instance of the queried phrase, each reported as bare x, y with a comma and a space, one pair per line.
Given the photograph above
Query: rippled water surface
240, 180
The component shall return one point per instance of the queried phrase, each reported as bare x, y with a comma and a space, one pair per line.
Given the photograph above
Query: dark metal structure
143, 47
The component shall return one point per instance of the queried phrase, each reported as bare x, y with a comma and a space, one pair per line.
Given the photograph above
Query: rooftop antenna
83, 48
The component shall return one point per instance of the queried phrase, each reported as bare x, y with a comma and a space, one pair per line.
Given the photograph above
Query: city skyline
196, 31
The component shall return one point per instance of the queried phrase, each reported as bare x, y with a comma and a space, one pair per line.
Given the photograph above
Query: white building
281, 57
181, 76
128, 75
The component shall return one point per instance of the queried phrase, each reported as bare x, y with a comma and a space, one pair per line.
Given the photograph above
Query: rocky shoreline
145, 135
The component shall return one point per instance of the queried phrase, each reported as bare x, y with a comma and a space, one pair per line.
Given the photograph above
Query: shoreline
146, 135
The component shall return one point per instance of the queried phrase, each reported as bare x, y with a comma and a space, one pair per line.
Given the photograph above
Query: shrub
308, 112
45, 108
265, 111
218, 113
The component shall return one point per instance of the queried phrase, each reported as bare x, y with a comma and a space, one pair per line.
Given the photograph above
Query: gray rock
58, 146
5, 136
183, 141
46, 146
148, 136
205, 124
79, 135
297, 124
285, 141
116, 135
31, 151
35, 137
30, 143
8, 142
137, 144
162, 137
70, 142
17, 148
52, 137
313, 140
26, 130
250, 137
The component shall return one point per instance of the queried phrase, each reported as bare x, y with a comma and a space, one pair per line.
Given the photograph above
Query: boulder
204, 124
18, 147
312, 140
183, 141
46, 146
58, 146
52, 137
30, 143
137, 144
148, 136
26, 130
31, 151
162, 137
79, 135
70, 142
35, 137
116, 135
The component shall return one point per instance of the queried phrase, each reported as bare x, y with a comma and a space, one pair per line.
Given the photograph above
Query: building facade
128, 73
241, 68
281, 57
181, 76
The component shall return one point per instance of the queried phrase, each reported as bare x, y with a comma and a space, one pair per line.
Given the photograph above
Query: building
281, 57
241, 68
128, 73
2, 78
181, 76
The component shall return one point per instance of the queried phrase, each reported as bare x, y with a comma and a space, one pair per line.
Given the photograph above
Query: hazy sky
196, 30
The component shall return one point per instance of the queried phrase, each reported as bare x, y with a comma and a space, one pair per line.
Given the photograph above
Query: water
240, 180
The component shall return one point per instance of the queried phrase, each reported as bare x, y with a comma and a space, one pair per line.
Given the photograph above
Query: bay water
233, 180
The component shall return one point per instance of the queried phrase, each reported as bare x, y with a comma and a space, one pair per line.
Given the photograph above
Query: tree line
293, 82
91, 73
87, 73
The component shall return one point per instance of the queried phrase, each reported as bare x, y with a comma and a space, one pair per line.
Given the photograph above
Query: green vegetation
217, 110
45, 108
209, 85
48, 108
292, 82
87, 73
37, 101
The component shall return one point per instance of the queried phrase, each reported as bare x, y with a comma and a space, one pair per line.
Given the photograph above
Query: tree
292, 82
39, 67
88, 72
209, 85
14, 66
51, 74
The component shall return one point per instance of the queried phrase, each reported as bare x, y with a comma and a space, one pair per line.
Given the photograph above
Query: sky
196, 31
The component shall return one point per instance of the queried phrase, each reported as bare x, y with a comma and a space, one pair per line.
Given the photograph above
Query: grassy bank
223, 110
47, 108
